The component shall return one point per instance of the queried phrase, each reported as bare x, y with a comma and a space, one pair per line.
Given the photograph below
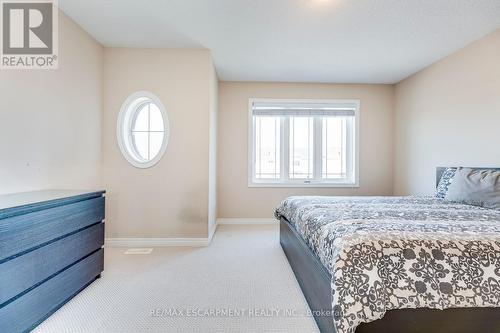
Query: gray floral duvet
389, 253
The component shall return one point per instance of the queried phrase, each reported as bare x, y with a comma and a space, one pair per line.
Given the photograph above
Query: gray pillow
475, 187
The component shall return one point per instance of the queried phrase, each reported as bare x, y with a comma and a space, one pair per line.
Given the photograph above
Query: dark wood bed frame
314, 280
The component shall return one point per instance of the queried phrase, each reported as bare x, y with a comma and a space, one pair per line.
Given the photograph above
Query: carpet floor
242, 282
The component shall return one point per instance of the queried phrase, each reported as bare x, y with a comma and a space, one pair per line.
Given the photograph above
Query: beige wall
236, 199
50, 120
171, 198
448, 115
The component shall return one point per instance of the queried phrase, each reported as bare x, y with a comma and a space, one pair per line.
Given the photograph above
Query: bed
394, 264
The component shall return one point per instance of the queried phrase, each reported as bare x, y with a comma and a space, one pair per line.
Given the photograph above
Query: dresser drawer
24, 272
28, 310
25, 232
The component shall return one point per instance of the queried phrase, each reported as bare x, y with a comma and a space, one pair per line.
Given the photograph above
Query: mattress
388, 253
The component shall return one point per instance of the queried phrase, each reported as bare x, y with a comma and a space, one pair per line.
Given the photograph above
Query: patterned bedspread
389, 253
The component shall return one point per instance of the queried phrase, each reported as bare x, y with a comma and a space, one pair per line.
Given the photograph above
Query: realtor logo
29, 34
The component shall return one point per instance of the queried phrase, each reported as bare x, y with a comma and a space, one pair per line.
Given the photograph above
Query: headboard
440, 171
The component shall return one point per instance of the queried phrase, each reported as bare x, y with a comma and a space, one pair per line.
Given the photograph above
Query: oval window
143, 129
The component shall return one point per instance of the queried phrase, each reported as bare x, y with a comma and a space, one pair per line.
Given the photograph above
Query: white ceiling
343, 41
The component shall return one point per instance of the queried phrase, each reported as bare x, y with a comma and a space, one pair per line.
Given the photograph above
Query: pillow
475, 187
445, 182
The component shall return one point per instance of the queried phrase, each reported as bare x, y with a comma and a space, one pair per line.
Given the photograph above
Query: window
143, 129
303, 143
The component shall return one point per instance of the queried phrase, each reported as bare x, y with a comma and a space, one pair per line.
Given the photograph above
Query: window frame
128, 112
285, 181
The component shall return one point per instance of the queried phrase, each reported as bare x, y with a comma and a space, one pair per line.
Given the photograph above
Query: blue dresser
50, 249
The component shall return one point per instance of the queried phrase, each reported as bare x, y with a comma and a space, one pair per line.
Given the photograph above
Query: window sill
298, 185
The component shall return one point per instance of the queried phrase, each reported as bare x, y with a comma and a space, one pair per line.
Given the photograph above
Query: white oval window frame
124, 127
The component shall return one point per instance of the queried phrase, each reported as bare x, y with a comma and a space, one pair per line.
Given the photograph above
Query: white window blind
296, 143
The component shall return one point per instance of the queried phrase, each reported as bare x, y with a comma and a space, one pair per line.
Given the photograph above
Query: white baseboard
240, 221
159, 242
155, 242
211, 231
